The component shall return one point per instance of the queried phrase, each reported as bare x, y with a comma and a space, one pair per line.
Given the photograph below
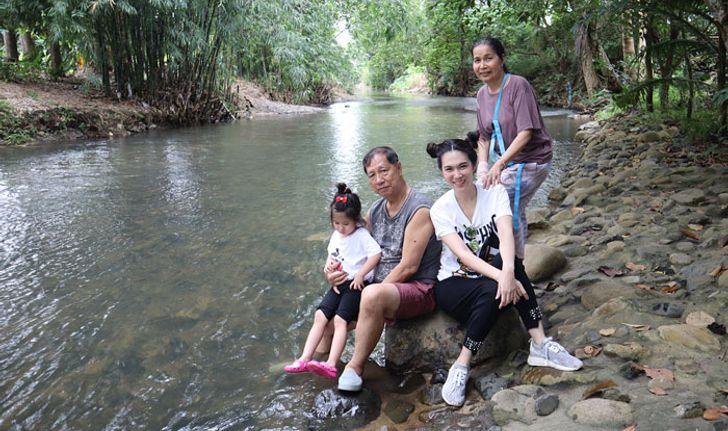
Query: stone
406, 384
549, 376
630, 370
433, 341
615, 247
398, 411
720, 425
689, 196
602, 291
432, 394
680, 259
543, 261
699, 319
723, 280
557, 194
488, 385
660, 383
689, 411
546, 404
601, 412
536, 218
668, 309
689, 336
439, 376
574, 274
562, 215
509, 405
628, 351
347, 411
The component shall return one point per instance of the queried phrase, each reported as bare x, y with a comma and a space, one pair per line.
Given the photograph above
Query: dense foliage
650, 54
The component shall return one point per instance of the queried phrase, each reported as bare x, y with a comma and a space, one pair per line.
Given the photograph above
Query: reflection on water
162, 281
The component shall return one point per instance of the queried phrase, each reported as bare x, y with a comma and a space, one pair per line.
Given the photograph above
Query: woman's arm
466, 256
510, 290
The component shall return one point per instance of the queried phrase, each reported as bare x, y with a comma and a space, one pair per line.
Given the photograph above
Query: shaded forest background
666, 57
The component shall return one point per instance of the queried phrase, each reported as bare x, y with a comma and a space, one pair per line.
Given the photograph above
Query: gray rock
689, 411
602, 291
488, 385
509, 405
723, 280
629, 351
347, 410
543, 261
576, 251
537, 218
433, 341
720, 425
668, 309
601, 412
689, 196
432, 394
574, 274
680, 259
546, 404
689, 336
398, 411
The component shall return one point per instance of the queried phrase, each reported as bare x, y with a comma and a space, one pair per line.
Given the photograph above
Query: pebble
689, 411
546, 404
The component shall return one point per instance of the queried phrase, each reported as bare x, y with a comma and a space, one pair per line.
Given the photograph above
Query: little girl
354, 251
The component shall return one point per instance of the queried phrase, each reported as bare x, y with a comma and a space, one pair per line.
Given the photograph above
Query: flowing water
161, 281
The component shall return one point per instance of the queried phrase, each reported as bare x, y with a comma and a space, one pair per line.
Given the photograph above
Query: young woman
514, 147
473, 285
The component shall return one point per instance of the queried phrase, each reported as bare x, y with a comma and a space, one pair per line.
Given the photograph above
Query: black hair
494, 43
347, 202
388, 152
466, 146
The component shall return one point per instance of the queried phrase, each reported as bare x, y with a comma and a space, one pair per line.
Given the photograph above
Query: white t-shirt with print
353, 251
448, 217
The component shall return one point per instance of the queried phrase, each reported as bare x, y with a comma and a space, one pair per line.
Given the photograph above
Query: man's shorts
415, 299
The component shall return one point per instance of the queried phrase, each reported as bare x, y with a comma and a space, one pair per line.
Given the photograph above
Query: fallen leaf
659, 372
606, 332
576, 210
669, 289
643, 286
717, 271
631, 428
598, 389
637, 327
715, 413
611, 272
690, 234
657, 391
697, 227
592, 351
635, 266
551, 286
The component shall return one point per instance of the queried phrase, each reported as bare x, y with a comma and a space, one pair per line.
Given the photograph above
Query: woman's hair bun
342, 188
432, 149
473, 137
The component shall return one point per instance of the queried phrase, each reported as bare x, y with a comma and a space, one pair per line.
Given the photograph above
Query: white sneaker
453, 391
552, 354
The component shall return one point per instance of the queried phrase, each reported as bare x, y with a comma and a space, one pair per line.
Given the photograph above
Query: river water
162, 280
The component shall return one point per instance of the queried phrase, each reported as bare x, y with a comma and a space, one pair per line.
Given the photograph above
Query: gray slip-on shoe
350, 381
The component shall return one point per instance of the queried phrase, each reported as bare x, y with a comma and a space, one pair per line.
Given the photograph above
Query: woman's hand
510, 290
492, 177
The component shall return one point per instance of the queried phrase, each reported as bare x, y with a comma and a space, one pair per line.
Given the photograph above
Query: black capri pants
344, 305
471, 301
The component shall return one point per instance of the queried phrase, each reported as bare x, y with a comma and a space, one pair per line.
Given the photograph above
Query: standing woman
513, 140
471, 288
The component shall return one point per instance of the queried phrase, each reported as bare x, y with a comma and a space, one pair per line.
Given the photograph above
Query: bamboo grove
651, 55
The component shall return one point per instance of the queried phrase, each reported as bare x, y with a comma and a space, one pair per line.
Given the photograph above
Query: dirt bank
57, 111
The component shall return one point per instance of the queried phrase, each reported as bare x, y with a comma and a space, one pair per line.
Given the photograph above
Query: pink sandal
322, 369
298, 366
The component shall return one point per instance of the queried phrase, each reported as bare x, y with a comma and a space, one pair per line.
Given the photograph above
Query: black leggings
471, 301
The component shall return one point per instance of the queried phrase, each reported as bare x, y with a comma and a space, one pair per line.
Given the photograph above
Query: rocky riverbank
630, 263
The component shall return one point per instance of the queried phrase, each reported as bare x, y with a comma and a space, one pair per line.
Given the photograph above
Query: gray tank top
389, 234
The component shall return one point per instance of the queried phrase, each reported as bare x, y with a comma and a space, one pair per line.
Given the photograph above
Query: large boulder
434, 341
543, 261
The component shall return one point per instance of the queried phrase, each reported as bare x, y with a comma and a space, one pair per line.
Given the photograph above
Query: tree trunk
27, 44
667, 69
11, 45
628, 52
719, 9
691, 96
585, 53
649, 41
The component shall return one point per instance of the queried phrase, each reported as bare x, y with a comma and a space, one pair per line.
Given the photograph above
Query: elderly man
402, 287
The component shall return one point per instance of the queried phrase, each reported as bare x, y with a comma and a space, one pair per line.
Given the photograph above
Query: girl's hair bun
473, 137
342, 188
